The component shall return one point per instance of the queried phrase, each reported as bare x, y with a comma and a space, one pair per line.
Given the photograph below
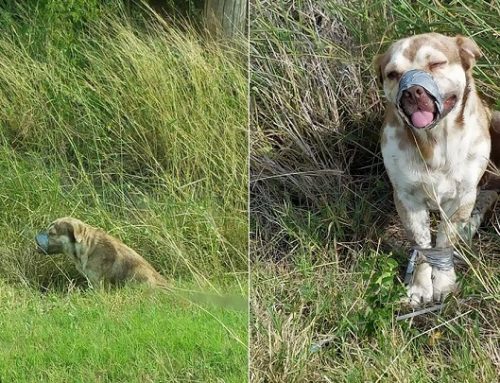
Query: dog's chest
431, 174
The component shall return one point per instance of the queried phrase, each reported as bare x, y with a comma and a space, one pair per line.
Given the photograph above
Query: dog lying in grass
101, 258
436, 145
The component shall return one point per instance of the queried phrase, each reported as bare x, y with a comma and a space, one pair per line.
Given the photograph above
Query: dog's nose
414, 93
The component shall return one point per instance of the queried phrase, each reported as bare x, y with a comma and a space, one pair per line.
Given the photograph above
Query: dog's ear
74, 228
78, 231
468, 50
377, 64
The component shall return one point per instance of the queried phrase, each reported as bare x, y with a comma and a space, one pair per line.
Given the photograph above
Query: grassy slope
323, 224
138, 128
119, 336
132, 126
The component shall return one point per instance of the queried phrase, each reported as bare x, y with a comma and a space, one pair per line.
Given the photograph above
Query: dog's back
112, 261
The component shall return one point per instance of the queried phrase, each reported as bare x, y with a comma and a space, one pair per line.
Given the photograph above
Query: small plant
382, 292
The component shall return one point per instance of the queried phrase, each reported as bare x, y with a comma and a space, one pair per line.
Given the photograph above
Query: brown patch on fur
426, 147
64, 228
407, 139
383, 139
390, 117
445, 45
435, 40
405, 136
402, 134
439, 42
411, 51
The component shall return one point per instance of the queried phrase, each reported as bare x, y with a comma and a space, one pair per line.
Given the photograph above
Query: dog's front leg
455, 215
415, 218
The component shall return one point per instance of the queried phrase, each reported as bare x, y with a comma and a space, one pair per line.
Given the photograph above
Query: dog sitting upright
435, 145
101, 258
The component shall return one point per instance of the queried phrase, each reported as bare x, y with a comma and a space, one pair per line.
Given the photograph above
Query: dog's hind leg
485, 202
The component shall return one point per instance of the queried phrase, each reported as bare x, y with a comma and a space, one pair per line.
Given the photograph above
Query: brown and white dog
434, 158
101, 258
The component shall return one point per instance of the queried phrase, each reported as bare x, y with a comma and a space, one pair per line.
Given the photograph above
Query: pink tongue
421, 119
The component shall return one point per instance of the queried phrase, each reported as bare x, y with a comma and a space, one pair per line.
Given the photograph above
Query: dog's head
61, 236
426, 76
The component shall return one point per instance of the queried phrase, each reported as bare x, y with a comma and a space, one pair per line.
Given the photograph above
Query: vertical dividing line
249, 121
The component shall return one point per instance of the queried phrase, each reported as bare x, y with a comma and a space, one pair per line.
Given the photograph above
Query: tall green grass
128, 123
323, 224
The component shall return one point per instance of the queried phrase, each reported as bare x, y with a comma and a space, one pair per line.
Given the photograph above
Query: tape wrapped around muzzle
424, 79
42, 241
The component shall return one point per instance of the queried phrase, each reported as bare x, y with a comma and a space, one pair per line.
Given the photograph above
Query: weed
383, 292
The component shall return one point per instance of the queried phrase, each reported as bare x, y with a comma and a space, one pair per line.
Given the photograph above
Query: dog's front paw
444, 282
420, 290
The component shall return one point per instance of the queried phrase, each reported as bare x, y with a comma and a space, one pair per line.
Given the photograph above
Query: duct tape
425, 80
42, 240
442, 259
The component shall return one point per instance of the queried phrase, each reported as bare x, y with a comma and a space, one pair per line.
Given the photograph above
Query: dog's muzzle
42, 241
425, 80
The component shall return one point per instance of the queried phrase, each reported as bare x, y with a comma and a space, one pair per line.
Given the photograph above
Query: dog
436, 146
101, 258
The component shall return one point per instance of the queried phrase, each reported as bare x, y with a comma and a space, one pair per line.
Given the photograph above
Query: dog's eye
436, 65
393, 75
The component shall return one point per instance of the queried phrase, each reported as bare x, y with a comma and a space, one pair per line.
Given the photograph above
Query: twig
420, 312
429, 309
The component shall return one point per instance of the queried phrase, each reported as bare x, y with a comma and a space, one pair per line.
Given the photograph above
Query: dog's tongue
421, 118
